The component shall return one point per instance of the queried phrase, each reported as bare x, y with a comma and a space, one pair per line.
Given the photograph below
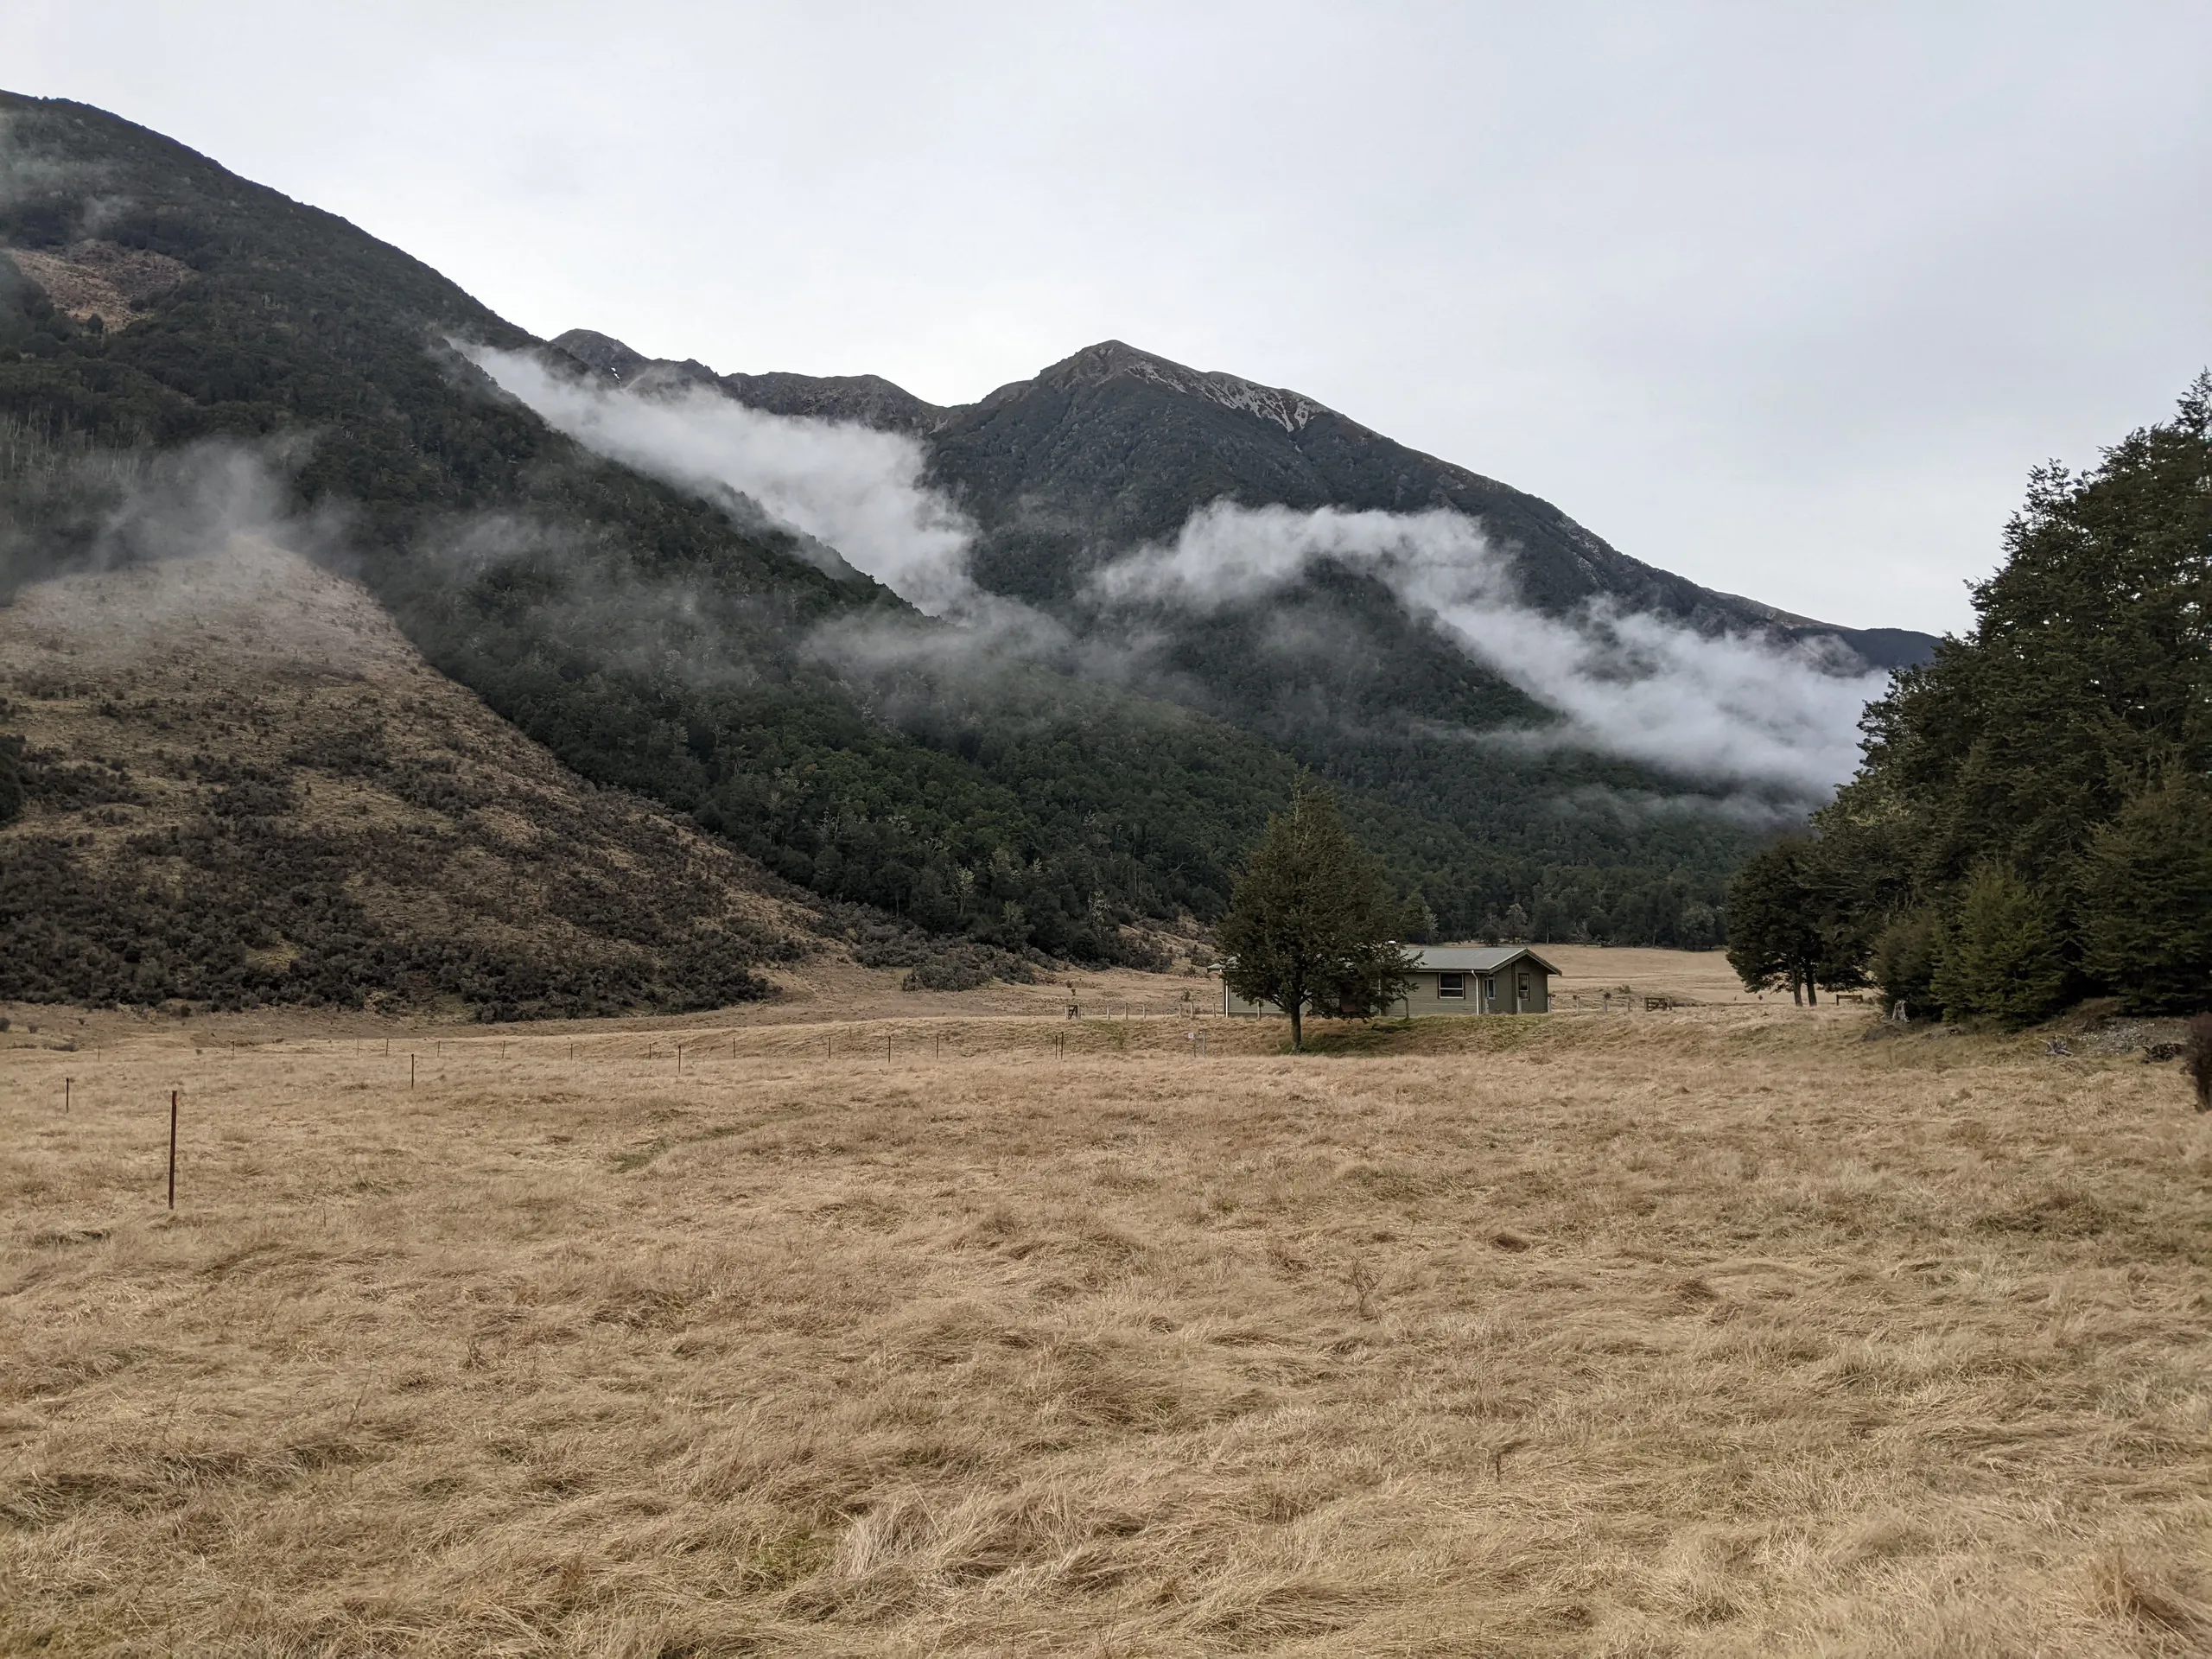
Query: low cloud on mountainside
230, 506
1756, 714
77, 510
858, 490
1729, 707
24, 173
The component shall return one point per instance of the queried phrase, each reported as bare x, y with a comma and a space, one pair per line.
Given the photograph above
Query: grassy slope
1716, 1333
245, 786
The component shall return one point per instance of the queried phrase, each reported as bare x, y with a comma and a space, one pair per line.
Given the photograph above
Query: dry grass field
1699, 977
1720, 1331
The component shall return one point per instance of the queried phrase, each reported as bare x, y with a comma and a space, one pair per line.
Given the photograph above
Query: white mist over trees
1778, 717
1726, 707
859, 491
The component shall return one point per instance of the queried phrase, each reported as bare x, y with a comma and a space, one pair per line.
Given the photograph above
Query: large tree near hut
1312, 922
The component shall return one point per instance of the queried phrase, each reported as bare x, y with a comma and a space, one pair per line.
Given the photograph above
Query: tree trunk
1796, 991
1812, 991
1297, 1025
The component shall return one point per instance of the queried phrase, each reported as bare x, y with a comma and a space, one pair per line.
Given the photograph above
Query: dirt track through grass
1722, 1332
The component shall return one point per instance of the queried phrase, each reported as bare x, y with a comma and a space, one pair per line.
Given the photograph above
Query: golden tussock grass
1720, 1332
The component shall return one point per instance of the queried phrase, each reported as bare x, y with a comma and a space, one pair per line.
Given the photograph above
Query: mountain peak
1114, 360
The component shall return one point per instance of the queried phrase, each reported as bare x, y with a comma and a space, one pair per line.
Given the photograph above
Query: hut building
1458, 979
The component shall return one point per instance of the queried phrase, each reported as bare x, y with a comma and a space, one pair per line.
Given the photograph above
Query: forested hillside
1115, 447
157, 305
1338, 662
2033, 823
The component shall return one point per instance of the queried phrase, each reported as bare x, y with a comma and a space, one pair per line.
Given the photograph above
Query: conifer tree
1311, 924
1906, 954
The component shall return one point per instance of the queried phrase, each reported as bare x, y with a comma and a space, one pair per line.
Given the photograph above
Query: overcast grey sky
1785, 298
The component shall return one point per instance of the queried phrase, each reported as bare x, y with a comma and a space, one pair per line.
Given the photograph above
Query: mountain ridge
1100, 463
1599, 567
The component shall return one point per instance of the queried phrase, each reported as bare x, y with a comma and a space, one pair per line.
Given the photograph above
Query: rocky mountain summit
1114, 447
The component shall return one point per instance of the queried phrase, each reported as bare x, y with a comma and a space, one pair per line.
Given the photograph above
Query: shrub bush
2001, 960
1906, 953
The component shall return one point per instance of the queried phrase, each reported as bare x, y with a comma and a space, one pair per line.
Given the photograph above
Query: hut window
1452, 986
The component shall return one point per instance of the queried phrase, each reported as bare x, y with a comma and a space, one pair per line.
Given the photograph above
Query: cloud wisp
1733, 707
855, 490
76, 509
130, 553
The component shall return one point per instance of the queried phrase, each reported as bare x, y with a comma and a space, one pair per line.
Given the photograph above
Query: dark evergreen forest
2033, 821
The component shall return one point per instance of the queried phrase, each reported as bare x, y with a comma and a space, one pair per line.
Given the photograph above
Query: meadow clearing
1724, 1331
